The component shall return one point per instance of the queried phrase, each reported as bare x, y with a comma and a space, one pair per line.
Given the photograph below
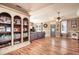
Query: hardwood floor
49, 46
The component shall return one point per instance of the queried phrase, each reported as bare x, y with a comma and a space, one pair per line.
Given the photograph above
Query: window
64, 27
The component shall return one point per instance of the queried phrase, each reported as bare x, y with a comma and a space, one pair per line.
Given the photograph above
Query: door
53, 30
64, 28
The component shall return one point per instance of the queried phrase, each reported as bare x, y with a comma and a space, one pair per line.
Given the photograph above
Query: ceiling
43, 12
32, 6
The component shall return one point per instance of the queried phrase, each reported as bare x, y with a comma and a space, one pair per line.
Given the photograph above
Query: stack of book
25, 34
5, 37
17, 35
5, 20
17, 21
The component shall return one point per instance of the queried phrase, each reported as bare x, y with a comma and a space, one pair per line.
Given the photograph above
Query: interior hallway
49, 46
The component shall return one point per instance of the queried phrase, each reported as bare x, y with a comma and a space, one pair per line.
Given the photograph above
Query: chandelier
58, 17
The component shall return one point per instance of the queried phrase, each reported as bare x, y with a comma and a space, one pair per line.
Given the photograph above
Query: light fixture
58, 17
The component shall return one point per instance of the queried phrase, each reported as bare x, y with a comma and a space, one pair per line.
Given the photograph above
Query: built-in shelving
25, 29
17, 28
13, 30
5, 28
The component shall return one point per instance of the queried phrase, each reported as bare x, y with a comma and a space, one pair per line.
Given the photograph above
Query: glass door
53, 30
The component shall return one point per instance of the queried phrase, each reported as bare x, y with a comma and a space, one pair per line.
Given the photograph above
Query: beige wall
47, 30
70, 29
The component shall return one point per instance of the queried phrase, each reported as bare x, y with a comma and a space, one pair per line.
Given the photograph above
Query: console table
36, 35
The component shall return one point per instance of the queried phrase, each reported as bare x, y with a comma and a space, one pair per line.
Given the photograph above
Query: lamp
58, 18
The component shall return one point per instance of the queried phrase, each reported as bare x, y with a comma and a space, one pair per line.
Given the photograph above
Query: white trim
12, 48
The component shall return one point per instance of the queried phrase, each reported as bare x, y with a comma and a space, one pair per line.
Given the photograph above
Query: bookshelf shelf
5, 32
17, 24
5, 24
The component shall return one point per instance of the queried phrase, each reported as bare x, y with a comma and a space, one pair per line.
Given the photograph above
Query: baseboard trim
12, 48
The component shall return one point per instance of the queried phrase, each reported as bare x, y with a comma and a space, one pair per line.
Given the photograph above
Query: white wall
77, 13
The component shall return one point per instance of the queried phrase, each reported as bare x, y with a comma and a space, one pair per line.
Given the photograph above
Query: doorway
53, 31
64, 28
